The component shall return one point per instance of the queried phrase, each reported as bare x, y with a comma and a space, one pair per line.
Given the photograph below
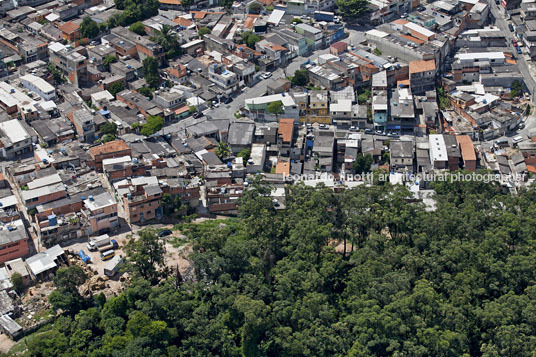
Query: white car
266, 75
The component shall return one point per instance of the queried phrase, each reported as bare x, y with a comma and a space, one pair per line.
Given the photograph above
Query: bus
107, 255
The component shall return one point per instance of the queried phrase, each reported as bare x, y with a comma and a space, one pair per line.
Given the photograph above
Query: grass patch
19, 348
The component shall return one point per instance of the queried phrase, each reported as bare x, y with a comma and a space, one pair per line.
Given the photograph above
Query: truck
113, 245
324, 16
112, 267
85, 258
97, 242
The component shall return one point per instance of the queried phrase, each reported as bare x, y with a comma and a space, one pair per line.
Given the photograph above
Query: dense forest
404, 281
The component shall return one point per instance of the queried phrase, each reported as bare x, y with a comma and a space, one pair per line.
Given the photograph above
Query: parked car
511, 28
521, 126
369, 131
227, 100
514, 42
266, 75
353, 128
518, 49
164, 233
323, 126
198, 115
393, 135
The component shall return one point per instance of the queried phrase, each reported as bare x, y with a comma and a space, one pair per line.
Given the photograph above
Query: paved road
501, 22
524, 65
226, 111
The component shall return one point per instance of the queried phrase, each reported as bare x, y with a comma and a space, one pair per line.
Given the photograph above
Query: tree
150, 72
138, 28
352, 8
296, 20
146, 91
275, 108
192, 109
17, 281
108, 60
245, 154
255, 8
167, 38
115, 88
58, 76
145, 255
364, 96
517, 89
66, 295
154, 124
300, 78
89, 28
203, 31
362, 163
223, 150
187, 3
109, 128
227, 3
250, 39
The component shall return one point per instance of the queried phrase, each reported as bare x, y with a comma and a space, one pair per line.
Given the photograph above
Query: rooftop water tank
52, 220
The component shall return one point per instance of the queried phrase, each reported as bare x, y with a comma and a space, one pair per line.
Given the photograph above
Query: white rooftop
14, 131
438, 149
419, 29
286, 99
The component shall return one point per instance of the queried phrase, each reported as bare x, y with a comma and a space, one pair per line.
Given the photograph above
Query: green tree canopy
66, 296
150, 72
145, 255
109, 128
115, 88
109, 59
300, 78
363, 271
203, 31
138, 28
154, 124
223, 150
352, 8
146, 91
275, 107
89, 28
17, 281
250, 39
167, 38
255, 8
362, 163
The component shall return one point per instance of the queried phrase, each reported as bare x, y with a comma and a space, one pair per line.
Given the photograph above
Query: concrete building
467, 151
257, 158
111, 149
422, 76
226, 80
72, 64
100, 213
438, 151
402, 155
39, 86
258, 107
15, 139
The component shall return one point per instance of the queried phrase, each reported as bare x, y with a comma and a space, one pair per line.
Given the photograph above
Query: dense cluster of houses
416, 92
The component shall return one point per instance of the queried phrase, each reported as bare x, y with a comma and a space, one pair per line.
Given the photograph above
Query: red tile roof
69, 27
286, 127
